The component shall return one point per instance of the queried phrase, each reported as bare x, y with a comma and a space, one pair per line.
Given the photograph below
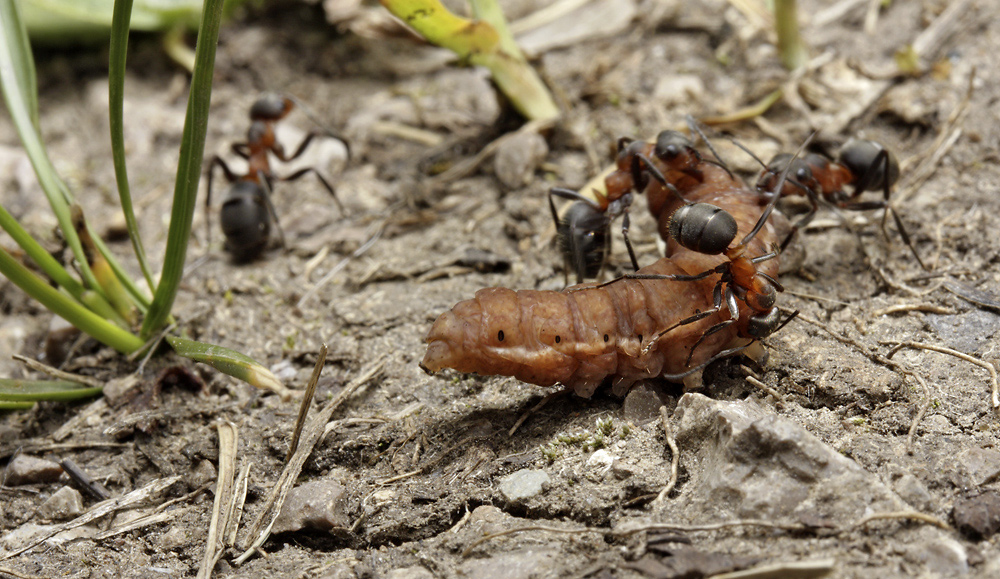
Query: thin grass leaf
116, 99
188, 169
38, 390
229, 362
15, 56
38, 254
16, 405
65, 307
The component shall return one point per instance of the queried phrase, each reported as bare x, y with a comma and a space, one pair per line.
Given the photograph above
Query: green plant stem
43, 258
35, 390
790, 46
188, 169
64, 307
116, 99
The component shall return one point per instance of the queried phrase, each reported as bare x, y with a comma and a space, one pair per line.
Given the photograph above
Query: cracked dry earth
416, 468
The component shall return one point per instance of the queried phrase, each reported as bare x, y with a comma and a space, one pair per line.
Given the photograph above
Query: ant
247, 210
707, 229
861, 164
583, 229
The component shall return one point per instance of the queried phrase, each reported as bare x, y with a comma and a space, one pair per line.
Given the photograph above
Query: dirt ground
858, 293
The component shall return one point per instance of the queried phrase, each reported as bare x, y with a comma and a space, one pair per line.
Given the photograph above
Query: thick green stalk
188, 169
790, 46
64, 307
116, 99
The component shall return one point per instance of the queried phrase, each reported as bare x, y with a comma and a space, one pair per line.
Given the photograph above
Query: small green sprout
485, 41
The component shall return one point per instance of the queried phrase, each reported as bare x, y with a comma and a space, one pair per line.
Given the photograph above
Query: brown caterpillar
636, 327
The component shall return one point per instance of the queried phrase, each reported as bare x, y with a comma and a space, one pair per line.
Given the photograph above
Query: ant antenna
693, 126
777, 192
312, 116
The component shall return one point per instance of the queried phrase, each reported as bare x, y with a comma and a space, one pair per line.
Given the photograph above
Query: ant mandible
583, 229
247, 210
861, 164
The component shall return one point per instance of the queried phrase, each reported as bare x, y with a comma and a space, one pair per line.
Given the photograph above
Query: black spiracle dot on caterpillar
558, 339
607, 338
500, 335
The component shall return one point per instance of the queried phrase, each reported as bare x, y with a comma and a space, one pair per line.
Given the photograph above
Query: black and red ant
247, 210
583, 229
862, 165
707, 229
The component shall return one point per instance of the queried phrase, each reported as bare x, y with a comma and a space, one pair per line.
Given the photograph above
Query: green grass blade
188, 169
62, 305
16, 405
37, 253
116, 98
37, 390
17, 78
229, 362
24, 66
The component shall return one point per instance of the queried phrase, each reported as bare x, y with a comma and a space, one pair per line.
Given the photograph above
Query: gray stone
64, 504
517, 565
642, 403
517, 158
202, 473
944, 557
25, 470
982, 464
316, 505
414, 572
746, 462
910, 489
523, 484
176, 538
977, 516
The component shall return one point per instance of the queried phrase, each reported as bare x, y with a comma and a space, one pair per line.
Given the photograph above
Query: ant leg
657, 175
279, 151
265, 184
805, 219
209, 173
628, 243
734, 315
241, 149
624, 142
693, 125
656, 276
301, 172
571, 195
883, 157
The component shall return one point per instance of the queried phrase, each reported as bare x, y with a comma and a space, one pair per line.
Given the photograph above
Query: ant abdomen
861, 157
703, 228
584, 238
246, 221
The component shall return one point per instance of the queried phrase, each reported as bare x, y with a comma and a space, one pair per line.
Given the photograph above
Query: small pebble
518, 157
314, 505
523, 484
977, 516
26, 470
64, 504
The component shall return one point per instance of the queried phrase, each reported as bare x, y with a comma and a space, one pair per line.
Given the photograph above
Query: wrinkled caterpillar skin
578, 337
601, 331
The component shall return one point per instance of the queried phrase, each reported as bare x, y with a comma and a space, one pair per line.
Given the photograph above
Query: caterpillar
664, 320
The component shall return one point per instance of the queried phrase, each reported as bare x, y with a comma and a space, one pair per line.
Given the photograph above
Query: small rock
315, 505
977, 516
64, 504
415, 572
944, 557
982, 464
679, 88
175, 538
642, 403
202, 473
750, 463
602, 461
518, 157
910, 489
517, 565
523, 484
24, 470
487, 519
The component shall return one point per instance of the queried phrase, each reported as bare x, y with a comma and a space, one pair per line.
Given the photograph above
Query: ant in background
861, 164
582, 231
247, 210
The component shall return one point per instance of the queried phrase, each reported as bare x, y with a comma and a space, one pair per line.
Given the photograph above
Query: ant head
760, 326
670, 144
703, 228
868, 161
271, 107
800, 170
